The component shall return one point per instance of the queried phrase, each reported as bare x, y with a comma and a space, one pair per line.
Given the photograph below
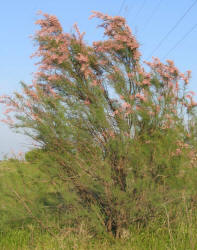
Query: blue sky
150, 21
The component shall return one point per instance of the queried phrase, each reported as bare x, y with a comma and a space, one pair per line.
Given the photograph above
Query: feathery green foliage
115, 142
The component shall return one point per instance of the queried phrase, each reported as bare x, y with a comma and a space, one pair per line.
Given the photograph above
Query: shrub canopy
118, 134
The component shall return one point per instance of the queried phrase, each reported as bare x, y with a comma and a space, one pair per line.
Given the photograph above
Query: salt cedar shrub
119, 135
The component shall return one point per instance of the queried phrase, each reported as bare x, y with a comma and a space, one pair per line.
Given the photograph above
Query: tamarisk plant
116, 131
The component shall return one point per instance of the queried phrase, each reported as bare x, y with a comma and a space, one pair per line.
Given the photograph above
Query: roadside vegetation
116, 155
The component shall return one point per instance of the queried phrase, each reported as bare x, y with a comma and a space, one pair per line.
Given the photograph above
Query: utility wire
152, 14
140, 9
125, 11
172, 29
121, 6
129, 8
183, 38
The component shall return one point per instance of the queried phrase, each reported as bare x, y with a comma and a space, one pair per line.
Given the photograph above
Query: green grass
183, 238
17, 229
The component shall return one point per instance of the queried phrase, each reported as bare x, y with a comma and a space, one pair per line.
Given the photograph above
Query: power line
129, 8
183, 38
125, 14
152, 14
140, 9
121, 6
172, 29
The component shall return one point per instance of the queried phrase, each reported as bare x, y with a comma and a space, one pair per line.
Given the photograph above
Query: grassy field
20, 230
183, 238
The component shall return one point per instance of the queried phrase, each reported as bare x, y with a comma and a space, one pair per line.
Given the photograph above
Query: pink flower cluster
119, 33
